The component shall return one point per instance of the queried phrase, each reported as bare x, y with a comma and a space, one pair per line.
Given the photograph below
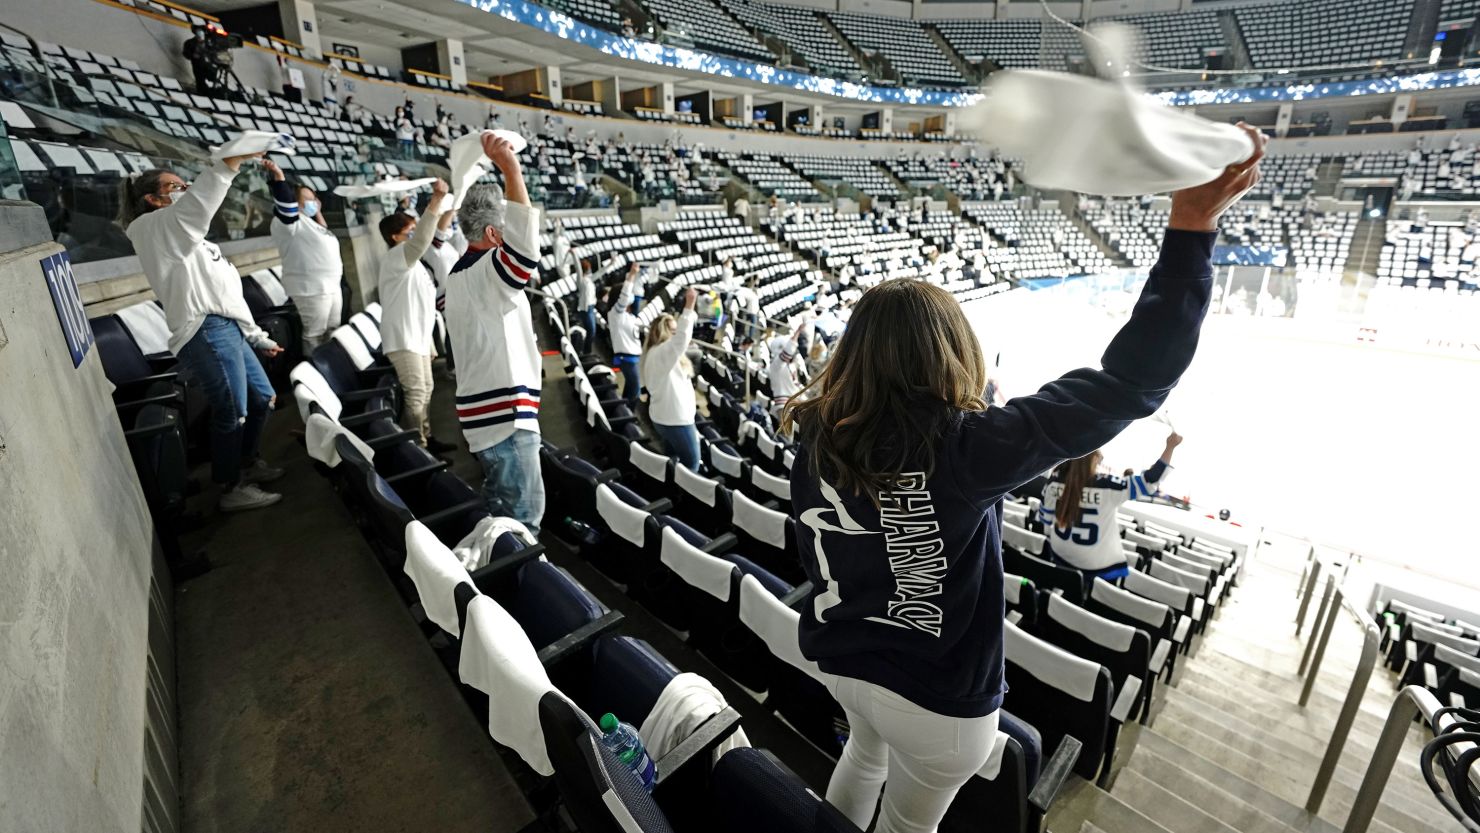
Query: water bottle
623, 742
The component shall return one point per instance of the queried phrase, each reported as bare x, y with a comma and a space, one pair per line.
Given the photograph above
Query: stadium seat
1060, 694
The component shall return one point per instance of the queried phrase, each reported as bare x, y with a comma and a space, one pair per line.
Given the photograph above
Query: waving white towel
387, 186
466, 159
254, 141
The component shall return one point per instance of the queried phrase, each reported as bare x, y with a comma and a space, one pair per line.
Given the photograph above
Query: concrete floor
308, 698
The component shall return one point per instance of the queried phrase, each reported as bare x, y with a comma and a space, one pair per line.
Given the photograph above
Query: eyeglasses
172, 187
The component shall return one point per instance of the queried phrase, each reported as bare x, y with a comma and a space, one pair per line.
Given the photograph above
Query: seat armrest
364, 419
797, 594
152, 430
499, 567
362, 395
378, 443
416, 472
658, 506
451, 511
1054, 773
723, 543
609, 476
171, 399
698, 745
568, 645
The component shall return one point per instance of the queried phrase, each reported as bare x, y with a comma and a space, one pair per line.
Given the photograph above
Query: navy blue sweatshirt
910, 597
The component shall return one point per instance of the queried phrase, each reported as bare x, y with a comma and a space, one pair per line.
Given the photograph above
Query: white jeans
320, 315
917, 758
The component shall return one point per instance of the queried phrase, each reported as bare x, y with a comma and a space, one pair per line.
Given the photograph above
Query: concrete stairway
1228, 749
1366, 250
1328, 178
1234, 37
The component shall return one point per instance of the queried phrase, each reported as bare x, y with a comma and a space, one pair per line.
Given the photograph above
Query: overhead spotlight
1375, 213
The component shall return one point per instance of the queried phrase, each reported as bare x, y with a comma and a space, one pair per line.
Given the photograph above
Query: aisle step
1081, 801
1215, 798
1172, 811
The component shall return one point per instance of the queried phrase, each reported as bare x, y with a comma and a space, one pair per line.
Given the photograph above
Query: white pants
414, 372
320, 315
917, 758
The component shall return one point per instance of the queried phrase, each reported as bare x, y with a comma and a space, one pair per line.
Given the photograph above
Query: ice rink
1298, 427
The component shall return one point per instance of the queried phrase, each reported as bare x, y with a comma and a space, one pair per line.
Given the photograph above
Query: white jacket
669, 386
188, 273
408, 297
488, 318
622, 325
312, 264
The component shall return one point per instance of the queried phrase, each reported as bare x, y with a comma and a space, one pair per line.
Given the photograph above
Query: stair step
1214, 798
1240, 787
1172, 811
1081, 801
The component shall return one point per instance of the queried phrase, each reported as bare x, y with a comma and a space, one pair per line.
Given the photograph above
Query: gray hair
483, 206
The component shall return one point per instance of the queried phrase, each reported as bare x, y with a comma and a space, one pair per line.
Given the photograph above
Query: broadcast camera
216, 45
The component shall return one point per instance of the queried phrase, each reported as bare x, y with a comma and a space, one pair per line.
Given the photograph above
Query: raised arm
662, 358
284, 201
188, 220
1086, 408
426, 226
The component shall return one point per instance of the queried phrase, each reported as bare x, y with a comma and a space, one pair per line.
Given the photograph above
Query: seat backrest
354, 346
258, 301
601, 794
335, 364
1022, 540
1175, 596
695, 567
123, 361
1198, 584
627, 678
145, 321
549, 604
1114, 603
1046, 575
770, 484
624, 520
367, 328
1021, 596
1059, 694
1124, 650
750, 791
309, 385
657, 468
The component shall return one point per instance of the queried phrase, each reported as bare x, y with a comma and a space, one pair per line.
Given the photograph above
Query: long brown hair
904, 371
132, 204
1075, 475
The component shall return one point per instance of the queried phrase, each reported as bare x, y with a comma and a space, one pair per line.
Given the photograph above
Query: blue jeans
512, 486
219, 360
682, 441
588, 318
631, 384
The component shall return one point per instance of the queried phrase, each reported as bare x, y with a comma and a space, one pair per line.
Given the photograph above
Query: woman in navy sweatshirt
897, 496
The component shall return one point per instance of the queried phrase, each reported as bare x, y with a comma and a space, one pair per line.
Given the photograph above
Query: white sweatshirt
408, 296
312, 264
498, 362
622, 325
670, 389
188, 273
782, 373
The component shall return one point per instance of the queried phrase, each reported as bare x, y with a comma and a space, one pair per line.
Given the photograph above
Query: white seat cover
776, 625
649, 463
764, 525
628, 522
1050, 664
436, 572
696, 486
354, 346
697, 568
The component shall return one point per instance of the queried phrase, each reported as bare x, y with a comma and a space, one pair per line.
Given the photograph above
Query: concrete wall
75, 553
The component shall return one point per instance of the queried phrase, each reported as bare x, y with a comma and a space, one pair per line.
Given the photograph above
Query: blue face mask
311, 209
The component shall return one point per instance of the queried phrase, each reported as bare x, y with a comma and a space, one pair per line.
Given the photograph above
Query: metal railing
1333, 602
1411, 702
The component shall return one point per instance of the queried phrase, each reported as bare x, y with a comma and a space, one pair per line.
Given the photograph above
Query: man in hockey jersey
487, 312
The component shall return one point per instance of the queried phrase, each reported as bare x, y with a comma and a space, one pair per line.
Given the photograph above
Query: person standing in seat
670, 382
211, 329
1085, 534
897, 489
312, 266
626, 335
498, 378
586, 304
408, 298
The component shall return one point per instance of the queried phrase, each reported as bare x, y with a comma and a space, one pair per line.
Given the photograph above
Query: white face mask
174, 196
311, 209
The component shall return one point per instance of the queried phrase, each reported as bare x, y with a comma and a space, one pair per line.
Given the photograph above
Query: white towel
776, 625
436, 573
467, 161
254, 141
319, 434
686, 702
146, 323
1101, 137
476, 548
498, 660
385, 186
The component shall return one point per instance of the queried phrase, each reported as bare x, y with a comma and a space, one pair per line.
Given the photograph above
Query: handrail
1411, 702
745, 362
1371, 638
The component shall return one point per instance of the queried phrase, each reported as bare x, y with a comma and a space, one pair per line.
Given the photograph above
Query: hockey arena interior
748, 416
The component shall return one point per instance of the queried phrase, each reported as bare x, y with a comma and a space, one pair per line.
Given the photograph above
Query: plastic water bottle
623, 741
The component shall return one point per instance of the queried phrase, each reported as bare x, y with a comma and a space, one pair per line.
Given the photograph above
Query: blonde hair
904, 372
662, 329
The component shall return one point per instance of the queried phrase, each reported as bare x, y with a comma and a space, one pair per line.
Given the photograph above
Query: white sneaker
247, 496
260, 472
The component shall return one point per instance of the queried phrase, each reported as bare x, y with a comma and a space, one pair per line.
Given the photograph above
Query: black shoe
436, 446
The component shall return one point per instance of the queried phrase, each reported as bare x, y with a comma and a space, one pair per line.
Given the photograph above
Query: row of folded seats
165, 417
712, 555
536, 654
1429, 649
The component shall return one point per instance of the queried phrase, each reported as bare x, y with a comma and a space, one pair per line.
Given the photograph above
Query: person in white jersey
312, 266
408, 300
498, 379
783, 373
670, 381
211, 329
1085, 534
586, 303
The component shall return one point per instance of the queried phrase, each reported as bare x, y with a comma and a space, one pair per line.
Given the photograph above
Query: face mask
174, 196
311, 209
